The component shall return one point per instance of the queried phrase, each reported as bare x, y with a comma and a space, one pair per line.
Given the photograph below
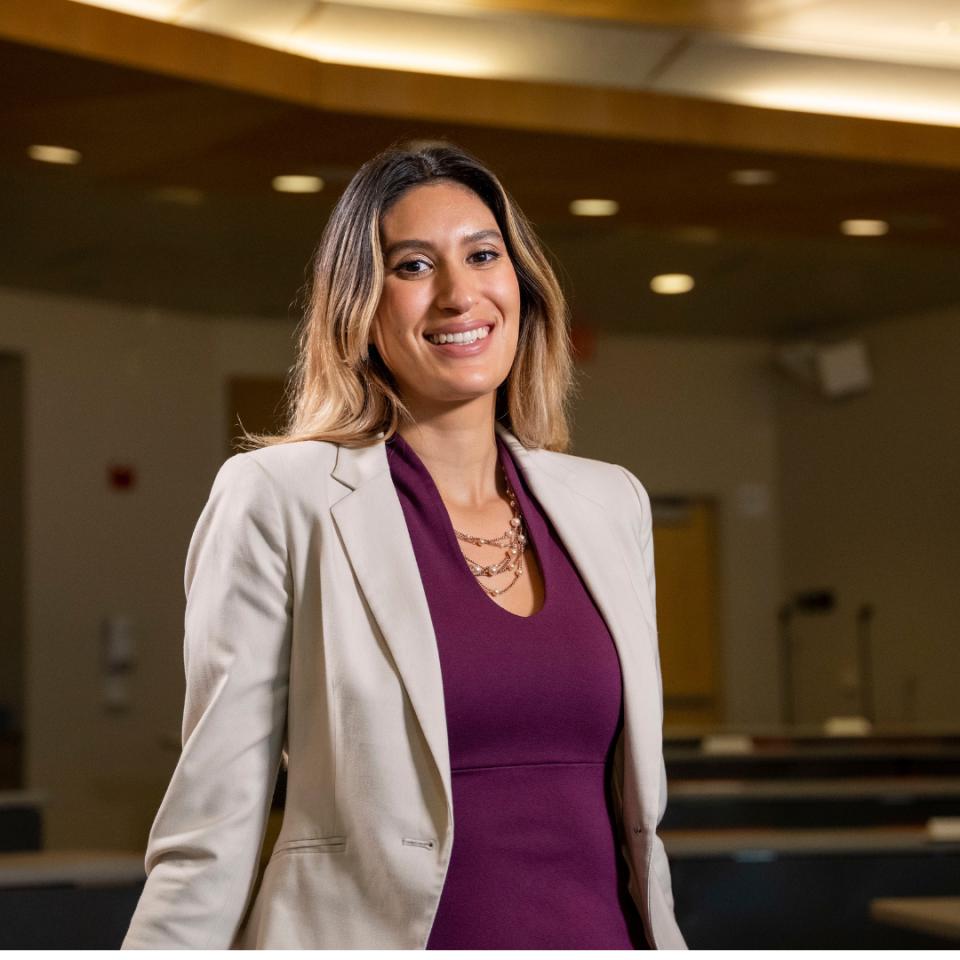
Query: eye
485, 256
412, 268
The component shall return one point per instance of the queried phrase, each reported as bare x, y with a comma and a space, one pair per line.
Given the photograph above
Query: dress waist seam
532, 763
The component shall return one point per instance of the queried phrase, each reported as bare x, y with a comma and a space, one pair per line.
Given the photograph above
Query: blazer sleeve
204, 846
659, 863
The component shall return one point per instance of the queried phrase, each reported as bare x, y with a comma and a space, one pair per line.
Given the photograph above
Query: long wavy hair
340, 389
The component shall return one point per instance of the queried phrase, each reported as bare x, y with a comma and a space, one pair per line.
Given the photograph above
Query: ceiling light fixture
864, 228
752, 178
594, 207
46, 153
671, 283
297, 183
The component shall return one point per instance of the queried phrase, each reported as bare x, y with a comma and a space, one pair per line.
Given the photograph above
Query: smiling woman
382, 234
449, 314
430, 610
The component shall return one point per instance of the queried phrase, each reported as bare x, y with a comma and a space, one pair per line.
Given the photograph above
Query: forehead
432, 209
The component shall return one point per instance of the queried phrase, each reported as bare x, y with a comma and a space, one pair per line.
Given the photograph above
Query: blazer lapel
374, 531
375, 536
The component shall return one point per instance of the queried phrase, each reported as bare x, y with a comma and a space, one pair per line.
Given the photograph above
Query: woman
432, 613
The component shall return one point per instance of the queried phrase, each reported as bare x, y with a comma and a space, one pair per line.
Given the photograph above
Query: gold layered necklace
513, 540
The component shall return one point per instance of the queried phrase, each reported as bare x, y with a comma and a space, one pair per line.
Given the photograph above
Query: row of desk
812, 842
799, 844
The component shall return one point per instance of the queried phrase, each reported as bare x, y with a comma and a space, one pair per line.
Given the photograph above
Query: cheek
510, 293
399, 309
386, 320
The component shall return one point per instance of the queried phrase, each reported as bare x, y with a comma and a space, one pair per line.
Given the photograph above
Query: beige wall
871, 508
109, 384
695, 417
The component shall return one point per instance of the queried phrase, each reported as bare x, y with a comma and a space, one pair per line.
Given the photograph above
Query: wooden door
684, 537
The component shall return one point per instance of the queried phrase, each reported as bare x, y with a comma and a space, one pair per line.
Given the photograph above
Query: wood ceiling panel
592, 112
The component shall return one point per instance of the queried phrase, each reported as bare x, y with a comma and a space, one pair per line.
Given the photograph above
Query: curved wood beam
187, 54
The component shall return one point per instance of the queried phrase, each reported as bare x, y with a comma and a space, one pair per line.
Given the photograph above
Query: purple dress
533, 707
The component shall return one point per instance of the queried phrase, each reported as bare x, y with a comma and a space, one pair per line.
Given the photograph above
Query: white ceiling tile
506, 47
921, 31
252, 18
719, 70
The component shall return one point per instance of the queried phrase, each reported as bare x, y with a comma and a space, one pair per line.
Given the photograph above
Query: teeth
478, 334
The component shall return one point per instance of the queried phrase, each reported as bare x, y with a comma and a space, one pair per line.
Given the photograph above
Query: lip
461, 327
464, 349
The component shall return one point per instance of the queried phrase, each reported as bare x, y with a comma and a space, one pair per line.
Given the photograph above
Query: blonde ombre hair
340, 389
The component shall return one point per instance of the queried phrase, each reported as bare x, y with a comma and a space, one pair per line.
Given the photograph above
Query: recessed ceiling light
297, 183
594, 207
752, 178
670, 283
46, 153
864, 228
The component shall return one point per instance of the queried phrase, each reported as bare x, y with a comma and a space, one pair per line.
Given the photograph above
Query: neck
459, 448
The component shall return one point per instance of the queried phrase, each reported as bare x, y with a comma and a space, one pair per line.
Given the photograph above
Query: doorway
685, 550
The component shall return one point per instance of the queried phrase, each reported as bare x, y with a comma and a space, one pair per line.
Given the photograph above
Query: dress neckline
526, 508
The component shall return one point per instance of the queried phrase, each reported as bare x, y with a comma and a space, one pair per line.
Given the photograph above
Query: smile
469, 337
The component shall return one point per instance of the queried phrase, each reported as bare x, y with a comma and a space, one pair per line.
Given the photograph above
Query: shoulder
277, 474
280, 460
610, 484
283, 463
601, 476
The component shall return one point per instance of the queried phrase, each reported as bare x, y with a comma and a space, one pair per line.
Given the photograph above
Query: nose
456, 290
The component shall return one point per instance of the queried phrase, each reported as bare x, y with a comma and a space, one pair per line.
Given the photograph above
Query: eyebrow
426, 245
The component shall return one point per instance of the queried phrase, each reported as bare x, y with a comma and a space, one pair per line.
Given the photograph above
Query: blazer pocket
312, 844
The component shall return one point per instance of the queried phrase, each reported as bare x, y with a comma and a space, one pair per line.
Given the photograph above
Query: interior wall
109, 385
695, 417
871, 510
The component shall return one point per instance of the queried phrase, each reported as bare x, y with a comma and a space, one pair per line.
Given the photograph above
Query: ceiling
172, 207
868, 58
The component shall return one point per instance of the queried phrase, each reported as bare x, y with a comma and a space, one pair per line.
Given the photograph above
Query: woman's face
446, 269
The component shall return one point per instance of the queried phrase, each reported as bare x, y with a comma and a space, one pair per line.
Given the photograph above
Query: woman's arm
204, 846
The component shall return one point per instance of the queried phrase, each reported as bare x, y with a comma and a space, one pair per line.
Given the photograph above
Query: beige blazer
307, 633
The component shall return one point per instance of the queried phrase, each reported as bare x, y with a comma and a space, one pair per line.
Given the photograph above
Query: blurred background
755, 209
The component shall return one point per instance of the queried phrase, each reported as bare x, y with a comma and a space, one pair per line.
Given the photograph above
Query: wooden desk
805, 889
939, 916
70, 868
888, 789
67, 899
763, 843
